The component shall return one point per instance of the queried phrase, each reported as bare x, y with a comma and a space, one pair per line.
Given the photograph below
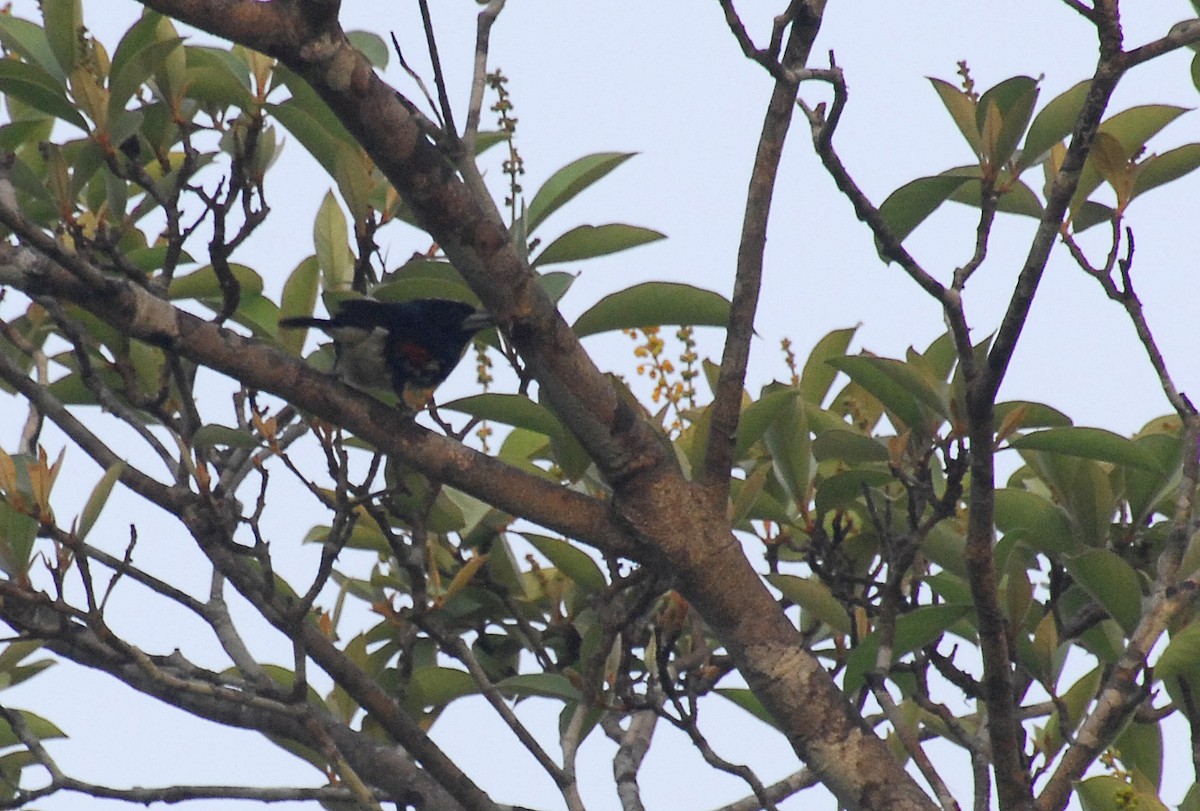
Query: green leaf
1041, 524
1015, 99
910, 205
64, 29
1032, 415
546, 685
590, 241
1141, 748
39, 90
299, 298
371, 46
132, 62
1015, 197
913, 630
17, 534
509, 409
845, 489
654, 304
1164, 168
438, 686
214, 435
25, 132
1108, 793
1052, 125
332, 240
1131, 128
814, 598
818, 375
789, 442
38, 726
849, 447
28, 39
203, 285
216, 76
569, 181
1181, 657
556, 283
901, 389
98, 498
571, 561
758, 417
307, 129
352, 171
1111, 582
962, 109
1090, 443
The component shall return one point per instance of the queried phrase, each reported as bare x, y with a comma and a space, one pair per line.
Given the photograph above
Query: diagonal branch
727, 398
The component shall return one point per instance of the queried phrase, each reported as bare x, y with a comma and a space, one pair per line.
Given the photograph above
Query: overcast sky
666, 80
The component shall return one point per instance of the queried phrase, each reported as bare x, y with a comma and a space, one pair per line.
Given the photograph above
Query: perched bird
397, 343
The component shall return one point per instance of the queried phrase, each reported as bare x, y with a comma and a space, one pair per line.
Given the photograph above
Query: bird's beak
478, 320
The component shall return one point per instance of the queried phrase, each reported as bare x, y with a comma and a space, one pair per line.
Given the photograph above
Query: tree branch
727, 397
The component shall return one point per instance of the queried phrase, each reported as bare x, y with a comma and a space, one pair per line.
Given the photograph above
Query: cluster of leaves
993, 125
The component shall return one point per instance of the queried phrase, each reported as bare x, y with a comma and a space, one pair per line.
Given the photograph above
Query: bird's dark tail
302, 321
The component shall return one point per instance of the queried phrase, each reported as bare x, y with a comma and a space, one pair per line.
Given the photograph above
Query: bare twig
439, 77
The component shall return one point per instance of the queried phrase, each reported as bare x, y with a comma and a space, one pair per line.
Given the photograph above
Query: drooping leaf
39, 90
64, 29
845, 489
910, 205
214, 435
590, 241
569, 181
1090, 443
547, 685
654, 304
903, 391
814, 598
571, 561
98, 498
204, 285
913, 630
28, 39
1111, 582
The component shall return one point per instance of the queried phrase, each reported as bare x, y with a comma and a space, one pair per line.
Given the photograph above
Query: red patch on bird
415, 353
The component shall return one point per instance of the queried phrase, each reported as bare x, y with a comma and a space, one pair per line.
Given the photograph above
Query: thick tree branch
141, 315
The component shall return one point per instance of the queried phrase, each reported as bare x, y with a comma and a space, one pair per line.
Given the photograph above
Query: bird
397, 343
